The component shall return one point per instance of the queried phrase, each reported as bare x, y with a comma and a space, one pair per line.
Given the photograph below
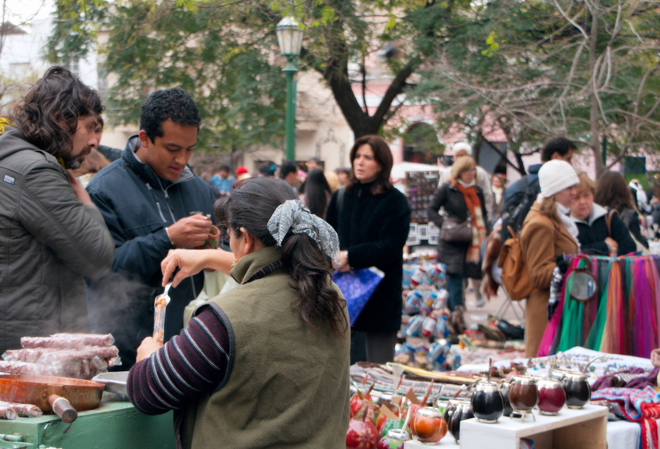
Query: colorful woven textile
640, 406
622, 317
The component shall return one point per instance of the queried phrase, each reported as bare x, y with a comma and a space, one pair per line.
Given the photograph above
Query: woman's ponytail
311, 271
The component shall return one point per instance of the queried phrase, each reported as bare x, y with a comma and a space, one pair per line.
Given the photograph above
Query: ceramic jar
577, 389
523, 394
456, 411
428, 425
551, 396
487, 402
504, 389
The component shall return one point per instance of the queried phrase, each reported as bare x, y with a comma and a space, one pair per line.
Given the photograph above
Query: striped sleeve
191, 363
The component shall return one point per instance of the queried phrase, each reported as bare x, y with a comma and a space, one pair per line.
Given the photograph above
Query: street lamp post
289, 38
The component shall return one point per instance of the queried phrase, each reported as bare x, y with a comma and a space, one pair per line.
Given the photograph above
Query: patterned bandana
292, 214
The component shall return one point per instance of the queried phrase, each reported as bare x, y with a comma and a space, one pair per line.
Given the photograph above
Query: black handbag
453, 230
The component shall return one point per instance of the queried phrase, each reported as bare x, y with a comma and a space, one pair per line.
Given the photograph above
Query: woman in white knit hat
547, 233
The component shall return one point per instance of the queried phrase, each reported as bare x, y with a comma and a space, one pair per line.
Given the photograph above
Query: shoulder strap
608, 221
340, 200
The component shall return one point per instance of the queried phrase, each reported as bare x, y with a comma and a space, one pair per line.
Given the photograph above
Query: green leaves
493, 46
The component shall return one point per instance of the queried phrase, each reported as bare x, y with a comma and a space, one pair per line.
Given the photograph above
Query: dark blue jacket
516, 189
137, 205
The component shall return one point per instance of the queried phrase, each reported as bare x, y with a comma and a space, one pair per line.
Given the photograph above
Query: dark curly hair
48, 115
173, 104
250, 206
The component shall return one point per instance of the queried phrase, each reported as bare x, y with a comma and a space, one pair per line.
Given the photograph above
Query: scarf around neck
473, 203
566, 221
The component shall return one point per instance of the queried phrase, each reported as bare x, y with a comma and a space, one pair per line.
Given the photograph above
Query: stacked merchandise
80, 356
621, 317
425, 322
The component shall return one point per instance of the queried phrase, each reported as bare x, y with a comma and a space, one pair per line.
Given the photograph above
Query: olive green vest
288, 385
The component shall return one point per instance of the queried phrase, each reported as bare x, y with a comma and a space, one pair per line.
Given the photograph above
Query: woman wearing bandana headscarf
267, 363
546, 233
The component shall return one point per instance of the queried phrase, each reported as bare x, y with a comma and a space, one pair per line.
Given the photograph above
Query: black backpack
515, 209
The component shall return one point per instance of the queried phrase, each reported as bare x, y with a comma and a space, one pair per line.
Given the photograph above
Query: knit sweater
188, 365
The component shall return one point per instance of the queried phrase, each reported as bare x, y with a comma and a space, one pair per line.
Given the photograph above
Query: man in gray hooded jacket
51, 234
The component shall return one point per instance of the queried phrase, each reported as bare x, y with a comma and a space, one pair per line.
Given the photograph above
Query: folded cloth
640, 406
634, 377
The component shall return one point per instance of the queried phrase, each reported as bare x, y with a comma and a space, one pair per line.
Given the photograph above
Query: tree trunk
357, 117
593, 95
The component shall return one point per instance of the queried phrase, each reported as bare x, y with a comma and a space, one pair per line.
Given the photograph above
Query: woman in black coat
372, 220
613, 192
462, 258
591, 220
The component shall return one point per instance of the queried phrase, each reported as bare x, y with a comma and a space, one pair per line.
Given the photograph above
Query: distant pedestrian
289, 173
242, 173
317, 193
223, 179
372, 219
613, 192
460, 199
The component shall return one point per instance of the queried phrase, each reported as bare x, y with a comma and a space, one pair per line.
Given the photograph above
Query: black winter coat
592, 235
630, 218
453, 254
137, 205
374, 229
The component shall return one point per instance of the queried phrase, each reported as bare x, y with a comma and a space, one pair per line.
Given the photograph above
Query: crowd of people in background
91, 235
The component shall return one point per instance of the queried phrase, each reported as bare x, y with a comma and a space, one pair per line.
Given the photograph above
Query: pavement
511, 311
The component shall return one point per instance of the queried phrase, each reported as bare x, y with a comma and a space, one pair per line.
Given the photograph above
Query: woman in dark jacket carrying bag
613, 192
463, 204
596, 235
372, 219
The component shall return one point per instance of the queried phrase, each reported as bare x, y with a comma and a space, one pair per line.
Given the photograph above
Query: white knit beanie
555, 176
462, 146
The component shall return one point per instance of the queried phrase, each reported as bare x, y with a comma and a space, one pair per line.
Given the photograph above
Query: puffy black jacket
137, 205
593, 232
374, 229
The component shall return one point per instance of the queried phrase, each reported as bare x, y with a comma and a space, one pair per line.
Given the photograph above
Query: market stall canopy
399, 170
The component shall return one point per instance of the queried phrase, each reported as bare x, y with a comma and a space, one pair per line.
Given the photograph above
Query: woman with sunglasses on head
267, 363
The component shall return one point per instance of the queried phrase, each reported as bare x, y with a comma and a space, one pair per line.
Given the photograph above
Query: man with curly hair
152, 202
51, 234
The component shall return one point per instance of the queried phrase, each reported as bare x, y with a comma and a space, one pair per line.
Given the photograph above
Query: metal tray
115, 382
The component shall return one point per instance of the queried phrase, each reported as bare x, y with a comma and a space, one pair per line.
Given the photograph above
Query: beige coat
542, 240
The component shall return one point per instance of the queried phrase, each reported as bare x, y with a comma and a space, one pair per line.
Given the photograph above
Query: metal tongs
160, 304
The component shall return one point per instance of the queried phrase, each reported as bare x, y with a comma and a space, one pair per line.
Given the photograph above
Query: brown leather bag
515, 275
453, 230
